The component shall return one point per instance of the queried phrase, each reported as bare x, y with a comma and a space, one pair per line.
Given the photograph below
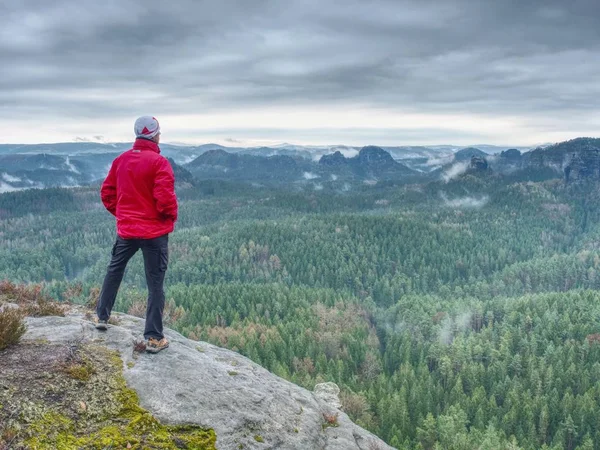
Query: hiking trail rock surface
198, 383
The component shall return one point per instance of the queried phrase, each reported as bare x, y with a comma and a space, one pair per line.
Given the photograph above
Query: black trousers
156, 259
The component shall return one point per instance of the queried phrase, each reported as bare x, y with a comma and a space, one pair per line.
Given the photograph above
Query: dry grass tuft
31, 298
44, 307
137, 309
93, 298
139, 346
374, 445
171, 314
331, 420
12, 327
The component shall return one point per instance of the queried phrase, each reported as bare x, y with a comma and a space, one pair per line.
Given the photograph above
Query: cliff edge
193, 390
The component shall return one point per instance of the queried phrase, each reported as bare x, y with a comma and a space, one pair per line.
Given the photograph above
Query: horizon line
282, 144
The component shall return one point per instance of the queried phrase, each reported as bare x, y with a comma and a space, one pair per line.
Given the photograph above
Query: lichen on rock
75, 397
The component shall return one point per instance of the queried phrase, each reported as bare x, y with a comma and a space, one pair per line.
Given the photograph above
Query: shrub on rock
12, 326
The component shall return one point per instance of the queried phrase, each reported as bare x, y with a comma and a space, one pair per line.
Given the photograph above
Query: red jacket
140, 191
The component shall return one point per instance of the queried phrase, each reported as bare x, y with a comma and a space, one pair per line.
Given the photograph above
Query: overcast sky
394, 72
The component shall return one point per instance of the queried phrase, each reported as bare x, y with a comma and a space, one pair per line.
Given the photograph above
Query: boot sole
101, 327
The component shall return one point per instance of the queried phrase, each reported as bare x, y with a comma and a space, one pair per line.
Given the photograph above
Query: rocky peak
374, 155
467, 153
334, 159
216, 157
511, 154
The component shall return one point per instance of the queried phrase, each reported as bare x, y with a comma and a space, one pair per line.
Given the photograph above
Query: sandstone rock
329, 393
198, 383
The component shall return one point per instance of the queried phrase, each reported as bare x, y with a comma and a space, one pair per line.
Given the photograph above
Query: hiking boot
155, 346
101, 325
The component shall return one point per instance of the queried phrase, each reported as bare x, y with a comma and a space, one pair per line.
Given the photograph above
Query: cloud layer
384, 71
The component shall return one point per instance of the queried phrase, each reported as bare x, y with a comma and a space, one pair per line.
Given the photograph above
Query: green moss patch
75, 397
81, 371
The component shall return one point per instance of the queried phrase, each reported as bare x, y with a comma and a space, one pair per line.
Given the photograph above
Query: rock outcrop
466, 154
198, 383
577, 159
512, 154
374, 156
478, 164
334, 160
371, 162
583, 166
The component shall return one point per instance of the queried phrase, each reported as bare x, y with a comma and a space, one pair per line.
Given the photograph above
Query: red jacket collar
146, 144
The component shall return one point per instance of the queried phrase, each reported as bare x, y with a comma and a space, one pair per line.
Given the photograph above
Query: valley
455, 307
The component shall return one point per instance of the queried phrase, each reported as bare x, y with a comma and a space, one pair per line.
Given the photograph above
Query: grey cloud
377, 136
114, 58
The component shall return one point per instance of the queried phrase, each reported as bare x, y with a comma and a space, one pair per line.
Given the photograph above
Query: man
140, 192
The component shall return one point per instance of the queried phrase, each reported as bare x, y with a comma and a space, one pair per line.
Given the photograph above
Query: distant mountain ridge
313, 152
575, 160
370, 163
223, 165
81, 163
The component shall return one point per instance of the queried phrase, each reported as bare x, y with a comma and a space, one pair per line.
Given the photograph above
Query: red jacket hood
146, 144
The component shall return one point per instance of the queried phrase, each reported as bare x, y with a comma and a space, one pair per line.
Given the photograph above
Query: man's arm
108, 192
164, 190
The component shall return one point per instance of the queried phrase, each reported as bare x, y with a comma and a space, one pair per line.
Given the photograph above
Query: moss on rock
50, 408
